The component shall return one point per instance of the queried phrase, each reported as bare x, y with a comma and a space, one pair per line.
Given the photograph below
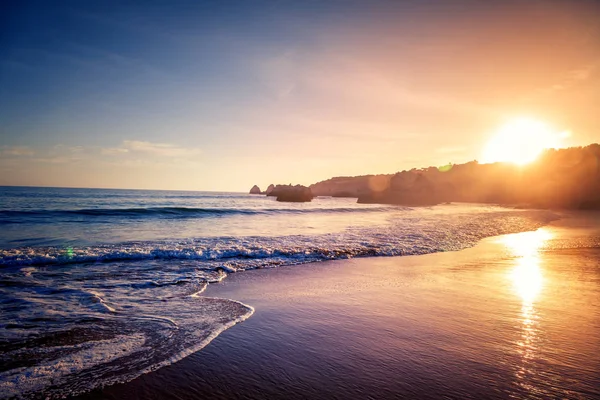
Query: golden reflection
526, 276
527, 281
527, 243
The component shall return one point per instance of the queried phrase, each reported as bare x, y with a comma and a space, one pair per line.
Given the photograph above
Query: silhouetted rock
409, 189
275, 190
291, 193
255, 190
347, 186
563, 178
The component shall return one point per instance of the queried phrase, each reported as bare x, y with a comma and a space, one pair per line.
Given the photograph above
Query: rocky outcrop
409, 189
289, 193
348, 186
276, 189
269, 189
255, 190
559, 179
564, 178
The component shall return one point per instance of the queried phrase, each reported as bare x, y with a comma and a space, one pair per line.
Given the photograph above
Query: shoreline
306, 316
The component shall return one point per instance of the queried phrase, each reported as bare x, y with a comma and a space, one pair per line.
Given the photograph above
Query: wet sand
517, 316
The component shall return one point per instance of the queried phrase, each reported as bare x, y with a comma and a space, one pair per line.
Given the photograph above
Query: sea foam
83, 317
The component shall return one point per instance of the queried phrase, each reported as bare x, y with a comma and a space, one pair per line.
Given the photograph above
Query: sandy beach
300, 200
516, 316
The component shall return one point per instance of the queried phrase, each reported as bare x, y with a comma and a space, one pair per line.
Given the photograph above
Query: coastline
399, 326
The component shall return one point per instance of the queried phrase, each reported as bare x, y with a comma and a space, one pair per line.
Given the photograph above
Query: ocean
100, 286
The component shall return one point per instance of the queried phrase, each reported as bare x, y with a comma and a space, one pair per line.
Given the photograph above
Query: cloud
158, 149
16, 151
130, 151
571, 78
56, 160
133, 148
113, 151
581, 74
577, 75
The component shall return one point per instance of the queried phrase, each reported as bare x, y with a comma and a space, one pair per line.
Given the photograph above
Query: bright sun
521, 141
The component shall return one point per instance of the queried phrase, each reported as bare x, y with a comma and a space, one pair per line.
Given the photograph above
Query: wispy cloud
570, 79
158, 149
576, 76
16, 151
113, 151
132, 164
130, 151
56, 160
583, 73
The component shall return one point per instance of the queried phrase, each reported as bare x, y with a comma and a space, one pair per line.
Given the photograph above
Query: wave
277, 256
93, 353
131, 308
407, 237
14, 216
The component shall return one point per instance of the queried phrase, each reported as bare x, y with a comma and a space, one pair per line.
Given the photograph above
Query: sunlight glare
527, 279
527, 243
521, 141
526, 276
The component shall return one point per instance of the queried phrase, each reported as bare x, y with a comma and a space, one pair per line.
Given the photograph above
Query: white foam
410, 234
140, 303
154, 341
20, 381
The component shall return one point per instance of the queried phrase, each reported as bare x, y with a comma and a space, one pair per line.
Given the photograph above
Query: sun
521, 141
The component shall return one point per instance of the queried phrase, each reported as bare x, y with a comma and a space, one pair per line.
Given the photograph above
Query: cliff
347, 186
564, 178
406, 189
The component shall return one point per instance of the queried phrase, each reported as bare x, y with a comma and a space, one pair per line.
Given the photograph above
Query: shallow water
517, 317
100, 286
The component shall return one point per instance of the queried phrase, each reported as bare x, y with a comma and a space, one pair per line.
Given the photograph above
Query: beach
516, 316
300, 200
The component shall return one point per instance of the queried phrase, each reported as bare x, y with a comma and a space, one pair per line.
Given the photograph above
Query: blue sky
221, 95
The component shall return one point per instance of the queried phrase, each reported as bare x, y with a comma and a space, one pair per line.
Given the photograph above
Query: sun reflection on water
526, 276
527, 282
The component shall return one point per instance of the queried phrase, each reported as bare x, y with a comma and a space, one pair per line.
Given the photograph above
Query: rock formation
405, 189
348, 186
255, 190
564, 178
289, 193
269, 189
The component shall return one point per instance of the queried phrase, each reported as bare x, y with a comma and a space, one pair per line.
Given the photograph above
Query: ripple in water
79, 318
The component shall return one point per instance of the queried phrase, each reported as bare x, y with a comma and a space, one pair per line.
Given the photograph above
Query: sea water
100, 286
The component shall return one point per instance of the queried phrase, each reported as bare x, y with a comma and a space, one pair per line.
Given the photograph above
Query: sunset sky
222, 95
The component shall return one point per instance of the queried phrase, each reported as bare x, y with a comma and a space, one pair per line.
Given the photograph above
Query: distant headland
564, 178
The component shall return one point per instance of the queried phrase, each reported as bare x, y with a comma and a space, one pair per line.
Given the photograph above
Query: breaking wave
82, 317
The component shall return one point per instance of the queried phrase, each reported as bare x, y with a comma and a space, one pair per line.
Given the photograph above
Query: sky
222, 95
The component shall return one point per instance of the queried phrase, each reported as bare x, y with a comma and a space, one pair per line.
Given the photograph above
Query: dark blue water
99, 286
